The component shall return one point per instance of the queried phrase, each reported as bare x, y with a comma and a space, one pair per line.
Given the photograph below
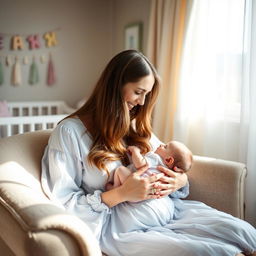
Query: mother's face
134, 93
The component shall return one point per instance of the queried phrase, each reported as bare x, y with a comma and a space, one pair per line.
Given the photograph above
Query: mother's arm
134, 189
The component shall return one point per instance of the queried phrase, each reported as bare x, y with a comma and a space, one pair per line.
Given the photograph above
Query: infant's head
175, 153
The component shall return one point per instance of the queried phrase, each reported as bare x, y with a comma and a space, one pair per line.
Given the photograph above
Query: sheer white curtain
166, 35
214, 115
248, 109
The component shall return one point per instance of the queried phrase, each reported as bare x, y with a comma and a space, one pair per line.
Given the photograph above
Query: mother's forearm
112, 197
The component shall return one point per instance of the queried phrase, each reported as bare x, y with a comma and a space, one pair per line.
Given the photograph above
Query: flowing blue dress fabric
188, 228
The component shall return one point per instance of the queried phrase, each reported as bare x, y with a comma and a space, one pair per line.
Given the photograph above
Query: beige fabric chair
30, 224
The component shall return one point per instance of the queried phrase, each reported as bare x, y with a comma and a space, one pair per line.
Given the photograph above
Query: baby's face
164, 150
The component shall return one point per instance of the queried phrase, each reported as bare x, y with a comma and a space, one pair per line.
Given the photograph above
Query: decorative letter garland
33, 42
50, 38
17, 43
20, 42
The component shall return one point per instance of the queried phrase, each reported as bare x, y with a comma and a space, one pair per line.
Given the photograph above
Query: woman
85, 149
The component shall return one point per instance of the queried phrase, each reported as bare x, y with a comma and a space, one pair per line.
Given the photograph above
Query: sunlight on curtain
209, 95
166, 35
248, 110
216, 112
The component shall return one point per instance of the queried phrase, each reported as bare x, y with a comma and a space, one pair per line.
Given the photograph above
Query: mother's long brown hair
110, 118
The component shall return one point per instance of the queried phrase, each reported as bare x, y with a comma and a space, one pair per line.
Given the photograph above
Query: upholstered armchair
30, 224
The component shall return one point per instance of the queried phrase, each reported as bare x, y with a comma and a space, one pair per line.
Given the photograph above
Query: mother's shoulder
72, 126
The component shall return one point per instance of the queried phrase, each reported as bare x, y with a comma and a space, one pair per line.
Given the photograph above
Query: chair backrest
23, 153
30, 223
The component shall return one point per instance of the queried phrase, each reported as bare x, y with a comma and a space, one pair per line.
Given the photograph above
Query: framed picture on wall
133, 36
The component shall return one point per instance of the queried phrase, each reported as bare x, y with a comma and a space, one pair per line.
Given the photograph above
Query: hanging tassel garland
16, 74
8, 60
1, 74
51, 79
33, 73
43, 59
25, 60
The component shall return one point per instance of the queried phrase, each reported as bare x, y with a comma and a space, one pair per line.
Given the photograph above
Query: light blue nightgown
194, 230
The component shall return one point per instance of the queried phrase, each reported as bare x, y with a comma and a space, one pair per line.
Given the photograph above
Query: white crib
32, 115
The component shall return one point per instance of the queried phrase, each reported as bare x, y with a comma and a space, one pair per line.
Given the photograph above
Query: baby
173, 155
153, 212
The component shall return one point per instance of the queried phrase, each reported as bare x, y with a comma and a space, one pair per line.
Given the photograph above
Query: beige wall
91, 32
127, 12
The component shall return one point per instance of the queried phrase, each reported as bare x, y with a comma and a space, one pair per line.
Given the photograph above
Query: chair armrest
219, 184
33, 225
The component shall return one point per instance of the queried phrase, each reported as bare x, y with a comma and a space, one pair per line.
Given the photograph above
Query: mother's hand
172, 181
137, 188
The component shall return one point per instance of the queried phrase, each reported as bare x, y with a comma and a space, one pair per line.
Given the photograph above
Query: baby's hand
133, 149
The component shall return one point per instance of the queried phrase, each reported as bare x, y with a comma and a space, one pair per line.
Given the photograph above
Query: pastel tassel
43, 59
8, 60
16, 74
51, 79
33, 73
25, 60
1, 74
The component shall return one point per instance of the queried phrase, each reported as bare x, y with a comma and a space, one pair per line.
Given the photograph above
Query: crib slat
32, 127
25, 119
10, 110
8, 130
20, 111
20, 128
30, 111
44, 126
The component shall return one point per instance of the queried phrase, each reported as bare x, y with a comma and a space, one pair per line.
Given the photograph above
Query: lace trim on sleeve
181, 193
94, 200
